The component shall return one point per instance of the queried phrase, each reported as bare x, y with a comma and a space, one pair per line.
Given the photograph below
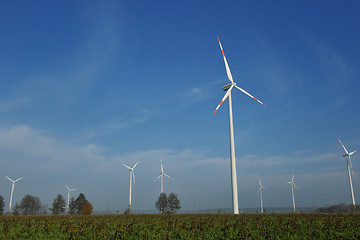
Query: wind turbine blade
67, 187
162, 168
72, 189
352, 153
133, 176
295, 186
226, 64
158, 177
135, 165
250, 95
9, 178
260, 182
127, 166
343, 146
18, 179
223, 99
169, 177
289, 182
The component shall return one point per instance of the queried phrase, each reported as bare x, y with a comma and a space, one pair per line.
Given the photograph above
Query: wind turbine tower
261, 200
132, 175
349, 166
228, 89
162, 174
292, 190
12, 190
68, 200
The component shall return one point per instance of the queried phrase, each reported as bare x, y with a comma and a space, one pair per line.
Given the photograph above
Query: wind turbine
162, 174
12, 190
292, 190
132, 174
69, 190
261, 200
228, 89
348, 160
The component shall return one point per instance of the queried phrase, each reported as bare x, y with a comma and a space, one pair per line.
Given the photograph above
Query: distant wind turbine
12, 190
348, 160
132, 174
261, 200
69, 190
162, 174
228, 89
292, 190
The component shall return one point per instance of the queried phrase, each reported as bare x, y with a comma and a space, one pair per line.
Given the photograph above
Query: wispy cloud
9, 105
198, 94
336, 70
297, 161
70, 75
335, 64
23, 146
127, 120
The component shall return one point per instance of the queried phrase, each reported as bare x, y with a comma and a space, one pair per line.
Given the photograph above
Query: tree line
31, 205
340, 208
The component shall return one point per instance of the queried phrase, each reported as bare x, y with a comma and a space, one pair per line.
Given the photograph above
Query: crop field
183, 226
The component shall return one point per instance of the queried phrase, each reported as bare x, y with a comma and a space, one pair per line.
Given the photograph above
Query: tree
16, 210
58, 206
162, 203
173, 203
341, 208
72, 206
127, 211
2, 205
87, 209
44, 209
30, 205
80, 203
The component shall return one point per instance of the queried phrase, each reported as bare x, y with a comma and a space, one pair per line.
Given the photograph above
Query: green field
183, 226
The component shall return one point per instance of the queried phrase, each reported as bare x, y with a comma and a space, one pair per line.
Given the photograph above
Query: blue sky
89, 85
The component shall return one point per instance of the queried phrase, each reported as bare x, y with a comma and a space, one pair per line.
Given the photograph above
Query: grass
183, 226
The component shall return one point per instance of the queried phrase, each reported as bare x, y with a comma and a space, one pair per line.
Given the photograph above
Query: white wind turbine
261, 200
68, 200
12, 190
292, 190
132, 175
162, 174
228, 89
348, 160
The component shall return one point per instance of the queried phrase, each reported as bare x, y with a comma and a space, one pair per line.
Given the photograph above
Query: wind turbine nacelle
345, 155
226, 87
